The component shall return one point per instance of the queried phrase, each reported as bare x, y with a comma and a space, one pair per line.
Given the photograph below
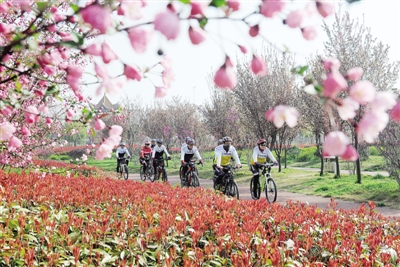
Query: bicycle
123, 169
160, 170
228, 186
271, 192
149, 174
191, 177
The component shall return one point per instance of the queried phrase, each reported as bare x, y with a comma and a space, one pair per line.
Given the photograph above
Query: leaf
13, 224
203, 22
108, 258
74, 7
218, 3
302, 70
41, 6
318, 88
352, 1
70, 44
185, 1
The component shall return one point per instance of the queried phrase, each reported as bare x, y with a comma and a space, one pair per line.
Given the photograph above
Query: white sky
192, 64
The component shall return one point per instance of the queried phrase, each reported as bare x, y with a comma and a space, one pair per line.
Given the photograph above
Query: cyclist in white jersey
120, 153
187, 154
158, 152
223, 154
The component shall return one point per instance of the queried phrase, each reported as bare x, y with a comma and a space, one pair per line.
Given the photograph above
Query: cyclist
223, 154
121, 152
145, 155
187, 139
260, 154
215, 158
158, 152
187, 153
153, 143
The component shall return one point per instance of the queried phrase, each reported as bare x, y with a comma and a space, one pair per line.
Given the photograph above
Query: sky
194, 65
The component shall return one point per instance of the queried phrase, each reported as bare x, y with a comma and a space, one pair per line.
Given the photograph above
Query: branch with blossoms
63, 31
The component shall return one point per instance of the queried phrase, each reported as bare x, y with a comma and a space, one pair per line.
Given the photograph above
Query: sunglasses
263, 144
147, 144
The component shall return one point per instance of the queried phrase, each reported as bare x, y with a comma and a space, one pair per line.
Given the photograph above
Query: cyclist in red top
145, 155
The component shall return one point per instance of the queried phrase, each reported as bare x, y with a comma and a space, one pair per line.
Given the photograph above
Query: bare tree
389, 141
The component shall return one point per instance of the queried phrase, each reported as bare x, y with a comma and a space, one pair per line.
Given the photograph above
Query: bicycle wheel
255, 189
270, 190
125, 172
142, 174
150, 173
164, 176
195, 180
232, 189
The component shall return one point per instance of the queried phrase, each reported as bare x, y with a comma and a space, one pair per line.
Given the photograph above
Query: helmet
219, 141
226, 139
159, 141
191, 142
260, 141
187, 138
147, 143
122, 144
153, 140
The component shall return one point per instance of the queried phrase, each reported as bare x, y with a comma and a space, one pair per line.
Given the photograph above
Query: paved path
283, 196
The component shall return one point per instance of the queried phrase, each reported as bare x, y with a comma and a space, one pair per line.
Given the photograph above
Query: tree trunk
337, 167
279, 163
321, 173
285, 159
358, 163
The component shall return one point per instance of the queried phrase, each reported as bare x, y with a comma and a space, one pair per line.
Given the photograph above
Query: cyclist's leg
118, 163
256, 179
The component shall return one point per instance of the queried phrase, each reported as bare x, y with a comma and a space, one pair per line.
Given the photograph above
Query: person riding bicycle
153, 143
187, 139
219, 142
145, 155
223, 154
260, 154
121, 152
187, 153
158, 152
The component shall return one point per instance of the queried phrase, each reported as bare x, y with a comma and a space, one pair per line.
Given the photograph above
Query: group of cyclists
224, 152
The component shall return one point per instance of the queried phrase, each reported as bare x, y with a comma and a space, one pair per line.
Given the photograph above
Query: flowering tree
389, 147
359, 83
43, 55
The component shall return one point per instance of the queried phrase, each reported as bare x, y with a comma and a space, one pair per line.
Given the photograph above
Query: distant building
105, 105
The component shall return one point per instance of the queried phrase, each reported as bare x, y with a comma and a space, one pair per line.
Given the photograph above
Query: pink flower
259, 66
350, 154
132, 72
167, 23
97, 16
113, 141
295, 18
362, 92
25, 131
394, 113
325, 8
226, 77
99, 125
104, 151
6, 130
74, 73
383, 101
6, 111
49, 70
309, 33
87, 151
31, 115
70, 114
333, 84
139, 38
131, 9
254, 30
331, 64
111, 86
336, 143
107, 54
198, 7
234, 5
281, 114
49, 121
270, 8
44, 109
196, 35
115, 130
160, 92
93, 49
14, 143
370, 125
347, 110
168, 76
354, 74
243, 49
101, 71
